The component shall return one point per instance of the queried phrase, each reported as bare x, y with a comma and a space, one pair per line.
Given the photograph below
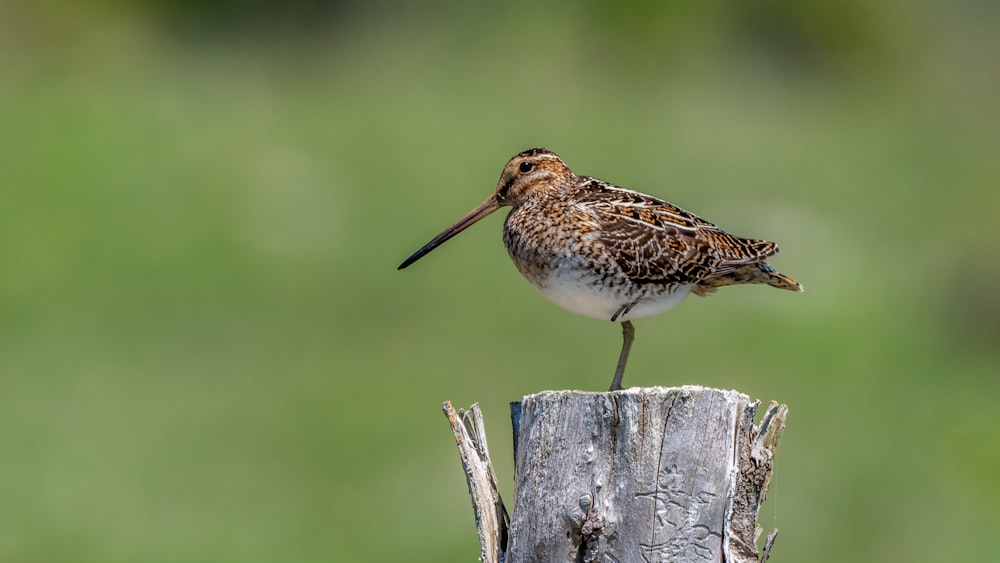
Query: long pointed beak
482, 210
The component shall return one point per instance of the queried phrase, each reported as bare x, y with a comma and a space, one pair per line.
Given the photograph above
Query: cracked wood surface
651, 474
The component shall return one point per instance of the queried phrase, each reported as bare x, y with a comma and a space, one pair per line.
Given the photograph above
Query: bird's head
529, 174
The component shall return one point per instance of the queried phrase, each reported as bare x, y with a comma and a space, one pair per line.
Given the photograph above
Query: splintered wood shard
653, 474
492, 521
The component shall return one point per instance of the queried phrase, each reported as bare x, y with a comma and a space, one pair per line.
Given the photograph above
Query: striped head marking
528, 173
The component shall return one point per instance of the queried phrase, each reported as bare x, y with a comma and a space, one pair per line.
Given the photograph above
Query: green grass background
207, 355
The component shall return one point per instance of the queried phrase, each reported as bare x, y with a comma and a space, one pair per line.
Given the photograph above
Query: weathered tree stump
650, 474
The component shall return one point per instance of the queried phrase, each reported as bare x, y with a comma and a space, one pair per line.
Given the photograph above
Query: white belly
585, 296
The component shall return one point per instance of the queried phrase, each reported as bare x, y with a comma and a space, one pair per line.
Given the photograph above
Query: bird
607, 252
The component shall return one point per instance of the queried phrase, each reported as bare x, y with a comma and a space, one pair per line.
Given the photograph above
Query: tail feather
779, 280
761, 273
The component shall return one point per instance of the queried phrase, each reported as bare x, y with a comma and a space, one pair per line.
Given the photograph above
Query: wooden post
645, 474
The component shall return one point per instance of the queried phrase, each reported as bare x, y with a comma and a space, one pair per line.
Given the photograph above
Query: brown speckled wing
656, 242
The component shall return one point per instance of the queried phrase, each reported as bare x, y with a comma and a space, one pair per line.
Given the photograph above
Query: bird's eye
525, 167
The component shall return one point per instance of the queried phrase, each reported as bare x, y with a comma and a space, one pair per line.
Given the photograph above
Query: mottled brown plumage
607, 252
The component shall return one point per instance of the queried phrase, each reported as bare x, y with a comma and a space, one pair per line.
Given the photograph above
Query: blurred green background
207, 354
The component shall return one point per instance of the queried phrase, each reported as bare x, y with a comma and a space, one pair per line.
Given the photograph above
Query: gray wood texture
644, 474
492, 521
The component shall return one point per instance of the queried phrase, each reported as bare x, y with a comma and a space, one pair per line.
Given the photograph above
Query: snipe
607, 252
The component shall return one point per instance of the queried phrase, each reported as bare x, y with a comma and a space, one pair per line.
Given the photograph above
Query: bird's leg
628, 335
